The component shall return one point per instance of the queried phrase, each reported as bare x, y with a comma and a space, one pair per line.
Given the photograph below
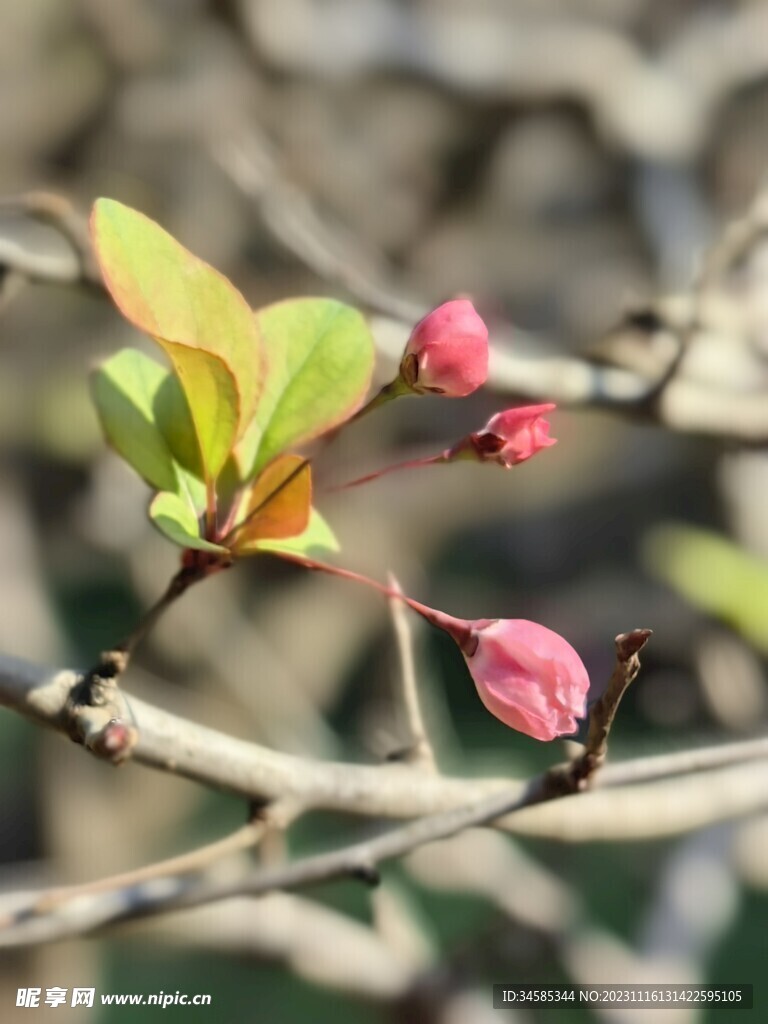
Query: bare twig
197, 860
360, 860
418, 749
264, 820
330, 251
601, 717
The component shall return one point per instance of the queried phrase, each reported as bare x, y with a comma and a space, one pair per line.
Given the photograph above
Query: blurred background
566, 164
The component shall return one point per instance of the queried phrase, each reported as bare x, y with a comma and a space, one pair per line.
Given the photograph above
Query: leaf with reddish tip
317, 539
143, 413
319, 362
173, 517
198, 317
278, 505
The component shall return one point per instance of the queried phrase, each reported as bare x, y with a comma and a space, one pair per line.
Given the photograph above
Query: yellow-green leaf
214, 403
319, 359
201, 320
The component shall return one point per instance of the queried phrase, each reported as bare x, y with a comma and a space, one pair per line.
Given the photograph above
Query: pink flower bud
447, 352
509, 437
527, 676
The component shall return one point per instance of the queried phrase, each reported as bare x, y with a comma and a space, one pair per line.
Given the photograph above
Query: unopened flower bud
447, 353
508, 438
527, 676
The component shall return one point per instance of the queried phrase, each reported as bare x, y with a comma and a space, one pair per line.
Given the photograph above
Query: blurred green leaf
194, 313
715, 575
319, 363
174, 517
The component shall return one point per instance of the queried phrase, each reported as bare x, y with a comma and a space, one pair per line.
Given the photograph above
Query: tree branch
359, 860
170, 743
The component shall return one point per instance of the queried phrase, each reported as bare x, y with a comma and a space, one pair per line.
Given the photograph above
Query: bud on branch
447, 352
508, 438
526, 675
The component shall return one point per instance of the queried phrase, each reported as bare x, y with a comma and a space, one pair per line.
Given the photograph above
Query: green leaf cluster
211, 431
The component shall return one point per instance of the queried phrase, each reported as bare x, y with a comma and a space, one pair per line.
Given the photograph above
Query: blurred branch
663, 395
678, 403
360, 860
289, 215
419, 749
45, 903
316, 942
44, 268
513, 52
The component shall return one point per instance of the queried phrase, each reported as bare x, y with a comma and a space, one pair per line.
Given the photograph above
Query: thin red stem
430, 460
457, 628
210, 508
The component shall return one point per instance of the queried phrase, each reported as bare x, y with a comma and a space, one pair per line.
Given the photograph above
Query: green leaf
124, 391
278, 505
138, 402
713, 574
173, 517
198, 317
317, 539
174, 420
319, 362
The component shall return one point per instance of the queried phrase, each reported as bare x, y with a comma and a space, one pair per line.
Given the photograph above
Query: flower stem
459, 629
113, 663
179, 584
210, 508
430, 460
395, 389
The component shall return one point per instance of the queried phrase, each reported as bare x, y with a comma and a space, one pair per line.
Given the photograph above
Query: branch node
578, 775
367, 873
628, 646
114, 742
97, 715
